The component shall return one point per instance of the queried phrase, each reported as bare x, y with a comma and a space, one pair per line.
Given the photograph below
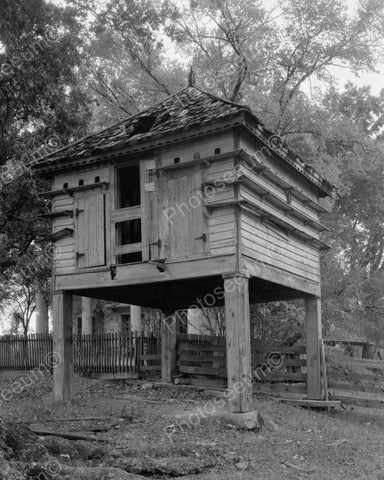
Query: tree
41, 108
124, 65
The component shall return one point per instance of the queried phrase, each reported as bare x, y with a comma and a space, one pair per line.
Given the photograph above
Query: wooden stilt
168, 347
41, 312
238, 337
86, 316
62, 346
313, 333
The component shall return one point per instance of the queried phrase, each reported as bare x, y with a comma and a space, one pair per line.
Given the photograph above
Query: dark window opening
125, 323
97, 179
217, 151
129, 258
65, 185
176, 160
129, 232
81, 182
128, 182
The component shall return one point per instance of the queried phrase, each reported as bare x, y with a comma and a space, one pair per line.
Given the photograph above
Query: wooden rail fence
356, 381
277, 371
105, 353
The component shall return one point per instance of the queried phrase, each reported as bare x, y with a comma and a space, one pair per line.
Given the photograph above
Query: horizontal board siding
221, 231
265, 156
64, 250
216, 196
62, 222
88, 177
260, 244
219, 170
62, 202
270, 235
205, 147
64, 247
279, 192
254, 199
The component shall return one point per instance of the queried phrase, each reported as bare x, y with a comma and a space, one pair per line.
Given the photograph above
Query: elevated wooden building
190, 202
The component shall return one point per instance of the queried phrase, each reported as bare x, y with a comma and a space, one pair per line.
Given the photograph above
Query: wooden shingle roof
188, 109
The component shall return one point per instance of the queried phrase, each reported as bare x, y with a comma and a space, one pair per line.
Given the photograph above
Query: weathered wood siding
279, 226
271, 246
205, 147
265, 155
221, 219
87, 221
64, 248
191, 191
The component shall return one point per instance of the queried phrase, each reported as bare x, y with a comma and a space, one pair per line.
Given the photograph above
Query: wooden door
187, 230
90, 230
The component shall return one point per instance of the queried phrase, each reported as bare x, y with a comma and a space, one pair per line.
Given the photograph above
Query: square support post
238, 338
313, 334
62, 346
168, 347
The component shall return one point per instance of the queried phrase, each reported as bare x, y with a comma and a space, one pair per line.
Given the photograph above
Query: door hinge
78, 210
202, 237
78, 255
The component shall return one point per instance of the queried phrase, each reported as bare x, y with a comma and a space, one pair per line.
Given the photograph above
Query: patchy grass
165, 432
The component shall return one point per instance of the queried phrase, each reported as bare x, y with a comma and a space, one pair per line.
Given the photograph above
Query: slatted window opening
127, 218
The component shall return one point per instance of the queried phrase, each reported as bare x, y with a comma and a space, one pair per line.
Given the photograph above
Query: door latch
157, 243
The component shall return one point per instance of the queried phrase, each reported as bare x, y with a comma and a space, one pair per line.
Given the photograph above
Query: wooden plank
237, 321
168, 347
361, 362
311, 403
313, 335
276, 376
289, 362
279, 387
280, 276
282, 350
289, 251
96, 230
202, 358
354, 377
62, 346
186, 347
358, 402
355, 388
202, 371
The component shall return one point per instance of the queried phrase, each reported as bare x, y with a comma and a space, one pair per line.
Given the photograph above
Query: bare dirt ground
156, 432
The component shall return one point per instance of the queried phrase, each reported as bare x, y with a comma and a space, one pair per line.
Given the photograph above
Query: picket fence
104, 353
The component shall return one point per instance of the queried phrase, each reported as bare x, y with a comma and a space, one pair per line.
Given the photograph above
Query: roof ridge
224, 100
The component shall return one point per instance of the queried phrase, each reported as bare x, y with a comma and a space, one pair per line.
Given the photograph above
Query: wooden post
41, 312
62, 346
313, 333
238, 338
168, 347
136, 319
86, 315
